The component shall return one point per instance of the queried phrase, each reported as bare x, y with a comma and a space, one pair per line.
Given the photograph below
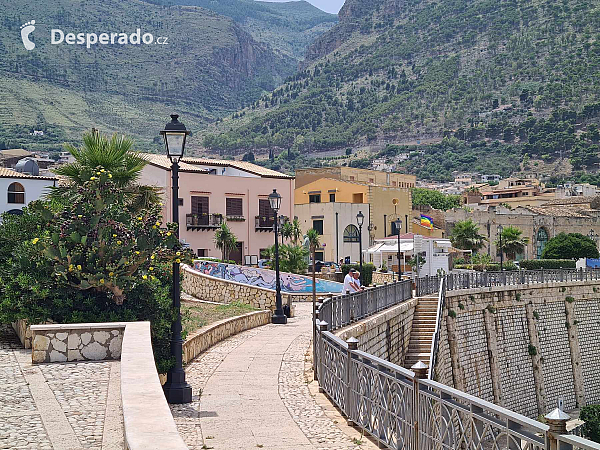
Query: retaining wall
385, 334
23, 331
384, 277
523, 347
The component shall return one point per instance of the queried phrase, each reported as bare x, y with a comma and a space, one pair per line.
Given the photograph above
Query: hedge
537, 264
366, 275
493, 267
591, 428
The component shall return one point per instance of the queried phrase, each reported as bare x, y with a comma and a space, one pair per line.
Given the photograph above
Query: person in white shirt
356, 275
350, 284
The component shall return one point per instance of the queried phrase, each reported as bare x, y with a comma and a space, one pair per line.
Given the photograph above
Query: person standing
350, 284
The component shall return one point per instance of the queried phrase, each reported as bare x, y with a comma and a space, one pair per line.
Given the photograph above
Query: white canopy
390, 248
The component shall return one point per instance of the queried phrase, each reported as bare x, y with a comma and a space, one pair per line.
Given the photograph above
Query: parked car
330, 264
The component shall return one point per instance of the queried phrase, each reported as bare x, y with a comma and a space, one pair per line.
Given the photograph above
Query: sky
330, 6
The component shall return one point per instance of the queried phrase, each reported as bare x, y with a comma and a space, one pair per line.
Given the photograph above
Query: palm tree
296, 231
113, 155
512, 242
465, 235
287, 230
225, 240
314, 243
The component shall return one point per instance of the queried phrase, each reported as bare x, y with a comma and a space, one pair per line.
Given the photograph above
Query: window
393, 183
371, 180
351, 234
200, 209
180, 202
351, 177
318, 226
16, 193
542, 240
319, 256
357, 198
264, 209
233, 207
202, 253
332, 198
314, 198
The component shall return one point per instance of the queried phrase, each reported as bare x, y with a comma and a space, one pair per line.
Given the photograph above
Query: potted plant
384, 268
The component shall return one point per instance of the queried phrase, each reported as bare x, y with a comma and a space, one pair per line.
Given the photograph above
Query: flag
426, 221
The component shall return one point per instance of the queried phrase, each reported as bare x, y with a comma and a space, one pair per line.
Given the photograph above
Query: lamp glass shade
360, 219
500, 228
175, 143
398, 223
275, 200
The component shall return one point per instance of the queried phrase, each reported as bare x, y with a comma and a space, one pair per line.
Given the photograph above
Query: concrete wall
523, 347
386, 334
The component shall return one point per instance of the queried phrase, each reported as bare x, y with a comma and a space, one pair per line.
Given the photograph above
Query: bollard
352, 345
420, 369
557, 421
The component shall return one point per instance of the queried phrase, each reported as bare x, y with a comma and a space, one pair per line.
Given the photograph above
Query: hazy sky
330, 6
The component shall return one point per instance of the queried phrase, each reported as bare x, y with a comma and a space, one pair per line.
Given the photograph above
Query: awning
390, 248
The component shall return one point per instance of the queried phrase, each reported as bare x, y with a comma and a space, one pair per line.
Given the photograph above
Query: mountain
210, 66
289, 27
518, 74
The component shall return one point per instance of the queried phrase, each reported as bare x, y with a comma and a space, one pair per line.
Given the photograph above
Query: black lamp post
176, 389
501, 250
398, 223
279, 317
360, 219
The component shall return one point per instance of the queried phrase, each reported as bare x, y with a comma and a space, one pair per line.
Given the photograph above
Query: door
200, 210
237, 254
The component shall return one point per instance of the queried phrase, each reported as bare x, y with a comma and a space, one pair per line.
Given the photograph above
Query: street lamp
279, 317
398, 223
176, 389
360, 219
501, 250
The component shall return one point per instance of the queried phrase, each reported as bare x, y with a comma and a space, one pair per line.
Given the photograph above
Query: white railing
436, 334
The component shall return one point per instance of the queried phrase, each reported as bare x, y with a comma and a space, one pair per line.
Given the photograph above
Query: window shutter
233, 207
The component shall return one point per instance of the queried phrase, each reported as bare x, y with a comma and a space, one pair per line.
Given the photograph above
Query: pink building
215, 191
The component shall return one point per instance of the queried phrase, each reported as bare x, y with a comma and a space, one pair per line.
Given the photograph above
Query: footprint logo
26, 30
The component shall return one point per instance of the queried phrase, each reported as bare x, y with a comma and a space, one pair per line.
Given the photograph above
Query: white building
17, 190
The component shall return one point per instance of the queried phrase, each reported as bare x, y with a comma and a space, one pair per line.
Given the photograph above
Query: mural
265, 278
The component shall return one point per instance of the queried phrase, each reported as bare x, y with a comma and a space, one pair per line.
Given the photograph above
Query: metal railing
471, 280
344, 309
264, 223
401, 411
435, 341
570, 442
204, 220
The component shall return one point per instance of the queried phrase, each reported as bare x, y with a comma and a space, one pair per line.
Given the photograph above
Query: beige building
538, 223
380, 203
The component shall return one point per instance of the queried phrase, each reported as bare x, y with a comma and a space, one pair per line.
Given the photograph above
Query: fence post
420, 369
557, 421
322, 327
352, 345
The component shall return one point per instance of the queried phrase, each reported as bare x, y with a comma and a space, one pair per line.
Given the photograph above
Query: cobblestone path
251, 391
57, 406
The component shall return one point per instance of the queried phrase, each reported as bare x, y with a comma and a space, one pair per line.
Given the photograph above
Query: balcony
235, 218
203, 221
263, 223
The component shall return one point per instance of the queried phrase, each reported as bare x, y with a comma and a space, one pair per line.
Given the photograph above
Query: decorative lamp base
280, 320
178, 394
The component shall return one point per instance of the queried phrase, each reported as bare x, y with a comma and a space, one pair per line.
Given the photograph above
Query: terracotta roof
556, 211
12, 153
9, 173
571, 200
165, 163
241, 165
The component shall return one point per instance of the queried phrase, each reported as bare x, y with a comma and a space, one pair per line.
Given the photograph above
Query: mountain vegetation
493, 84
210, 66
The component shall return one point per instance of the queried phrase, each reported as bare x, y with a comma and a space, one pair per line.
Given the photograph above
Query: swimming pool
291, 283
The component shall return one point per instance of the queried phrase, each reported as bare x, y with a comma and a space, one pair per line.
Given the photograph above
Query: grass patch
198, 315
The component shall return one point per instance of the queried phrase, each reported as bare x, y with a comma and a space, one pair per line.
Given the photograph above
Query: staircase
423, 328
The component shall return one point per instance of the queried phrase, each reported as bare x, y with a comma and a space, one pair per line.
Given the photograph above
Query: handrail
436, 334
570, 442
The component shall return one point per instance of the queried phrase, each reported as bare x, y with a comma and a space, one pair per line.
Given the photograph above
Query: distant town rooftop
9, 173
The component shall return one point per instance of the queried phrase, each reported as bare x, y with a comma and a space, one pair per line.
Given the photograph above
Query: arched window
541, 241
16, 193
351, 234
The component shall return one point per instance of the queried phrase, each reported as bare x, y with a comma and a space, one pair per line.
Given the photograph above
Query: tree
512, 241
225, 240
112, 155
435, 199
570, 246
313, 243
296, 231
465, 235
292, 258
287, 230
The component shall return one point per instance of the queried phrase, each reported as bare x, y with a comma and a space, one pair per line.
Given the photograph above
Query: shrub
591, 428
571, 246
537, 264
366, 275
494, 267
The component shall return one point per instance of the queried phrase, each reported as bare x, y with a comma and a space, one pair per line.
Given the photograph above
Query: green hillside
289, 27
522, 73
209, 67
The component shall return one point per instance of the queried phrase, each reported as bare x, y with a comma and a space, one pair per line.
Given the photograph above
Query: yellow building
381, 204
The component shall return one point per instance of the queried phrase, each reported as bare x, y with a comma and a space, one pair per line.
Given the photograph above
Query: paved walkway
57, 406
254, 394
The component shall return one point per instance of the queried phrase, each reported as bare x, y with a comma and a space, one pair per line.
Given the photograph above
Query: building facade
212, 192
20, 189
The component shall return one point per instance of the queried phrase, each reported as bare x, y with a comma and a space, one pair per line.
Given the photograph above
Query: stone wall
384, 277
77, 342
386, 334
523, 347
206, 287
23, 331
208, 336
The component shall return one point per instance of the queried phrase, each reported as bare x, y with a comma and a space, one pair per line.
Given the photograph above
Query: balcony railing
264, 223
203, 221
